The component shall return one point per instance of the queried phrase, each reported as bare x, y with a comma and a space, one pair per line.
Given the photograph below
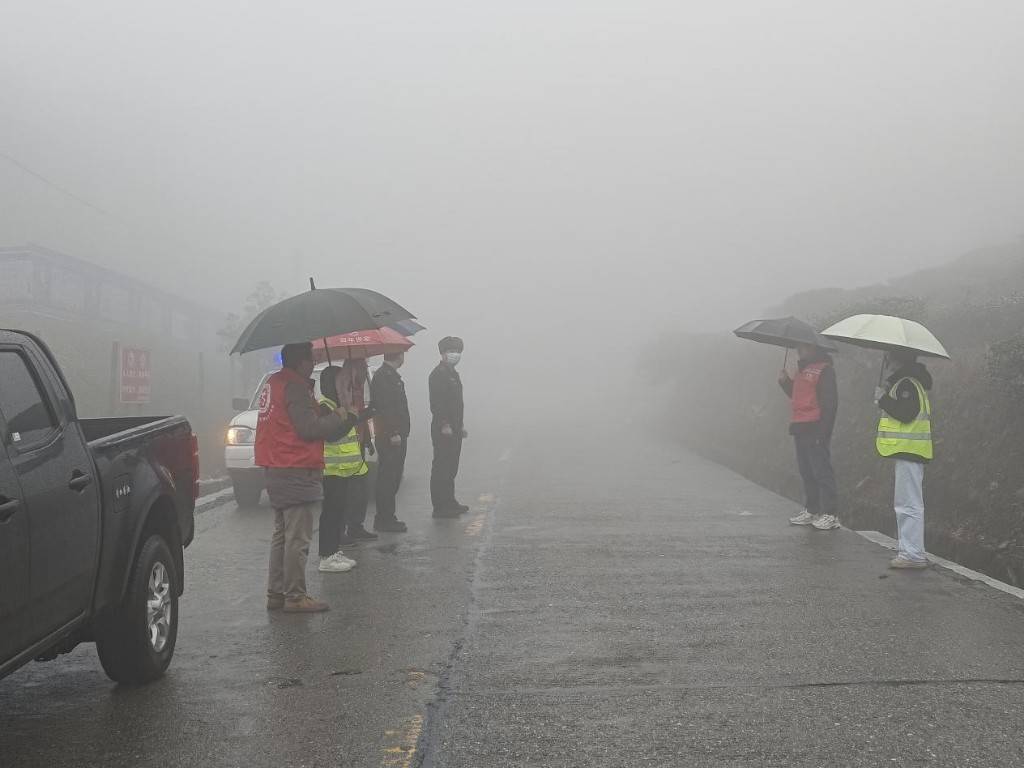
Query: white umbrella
886, 333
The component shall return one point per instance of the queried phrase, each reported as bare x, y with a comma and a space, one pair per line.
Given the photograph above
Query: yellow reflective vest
344, 457
915, 438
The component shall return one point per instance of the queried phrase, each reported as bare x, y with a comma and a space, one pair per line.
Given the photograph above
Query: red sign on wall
135, 375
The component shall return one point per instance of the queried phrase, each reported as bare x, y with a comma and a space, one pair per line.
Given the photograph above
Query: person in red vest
815, 401
290, 436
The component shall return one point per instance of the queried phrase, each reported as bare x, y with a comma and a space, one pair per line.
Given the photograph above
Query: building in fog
87, 314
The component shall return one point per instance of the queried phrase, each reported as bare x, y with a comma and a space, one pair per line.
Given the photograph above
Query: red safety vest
805, 394
277, 444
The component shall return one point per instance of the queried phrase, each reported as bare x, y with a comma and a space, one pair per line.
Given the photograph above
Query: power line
55, 185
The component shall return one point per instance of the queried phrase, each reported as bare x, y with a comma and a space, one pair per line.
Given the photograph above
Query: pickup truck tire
247, 492
136, 642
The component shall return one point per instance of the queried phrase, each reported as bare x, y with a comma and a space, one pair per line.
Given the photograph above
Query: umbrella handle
881, 373
785, 360
327, 349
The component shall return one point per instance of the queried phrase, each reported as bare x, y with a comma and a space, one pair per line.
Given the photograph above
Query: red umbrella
360, 344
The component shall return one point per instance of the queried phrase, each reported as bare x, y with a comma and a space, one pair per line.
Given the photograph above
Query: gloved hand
879, 394
446, 430
370, 450
784, 376
396, 440
465, 434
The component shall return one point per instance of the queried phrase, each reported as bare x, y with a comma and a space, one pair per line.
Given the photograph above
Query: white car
240, 443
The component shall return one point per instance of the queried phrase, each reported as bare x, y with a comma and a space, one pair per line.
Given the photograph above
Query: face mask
452, 358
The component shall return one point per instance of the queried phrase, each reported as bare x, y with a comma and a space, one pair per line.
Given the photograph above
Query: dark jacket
906, 404
391, 406
828, 399
446, 404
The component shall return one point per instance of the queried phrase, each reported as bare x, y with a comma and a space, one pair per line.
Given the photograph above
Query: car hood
245, 419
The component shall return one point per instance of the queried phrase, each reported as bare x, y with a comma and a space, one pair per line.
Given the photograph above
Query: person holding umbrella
345, 469
905, 435
814, 400
290, 438
814, 403
905, 427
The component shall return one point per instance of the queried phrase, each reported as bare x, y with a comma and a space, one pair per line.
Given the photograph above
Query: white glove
879, 394
446, 430
396, 439
465, 434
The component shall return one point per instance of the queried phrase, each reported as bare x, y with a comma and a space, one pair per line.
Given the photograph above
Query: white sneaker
826, 522
333, 565
804, 518
341, 558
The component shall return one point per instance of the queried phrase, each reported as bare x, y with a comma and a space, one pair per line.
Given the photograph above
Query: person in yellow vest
345, 470
905, 435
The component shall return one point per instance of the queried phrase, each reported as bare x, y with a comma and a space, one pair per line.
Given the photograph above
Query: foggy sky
508, 169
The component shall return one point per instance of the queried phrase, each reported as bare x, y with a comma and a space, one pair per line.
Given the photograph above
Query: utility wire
55, 185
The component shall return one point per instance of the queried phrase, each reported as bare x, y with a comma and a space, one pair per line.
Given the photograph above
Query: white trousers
909, 504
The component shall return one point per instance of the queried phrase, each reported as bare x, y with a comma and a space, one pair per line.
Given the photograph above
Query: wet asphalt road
248, 688
595, 609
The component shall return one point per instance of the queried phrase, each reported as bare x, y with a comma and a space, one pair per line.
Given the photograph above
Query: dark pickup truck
94, 517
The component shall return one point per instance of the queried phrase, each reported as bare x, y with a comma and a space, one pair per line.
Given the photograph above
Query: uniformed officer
391, 432
447, 429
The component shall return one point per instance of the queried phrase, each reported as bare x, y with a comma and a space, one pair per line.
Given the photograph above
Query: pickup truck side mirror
240, 404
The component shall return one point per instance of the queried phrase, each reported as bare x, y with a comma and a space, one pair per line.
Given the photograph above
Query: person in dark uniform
447, 430
391, 431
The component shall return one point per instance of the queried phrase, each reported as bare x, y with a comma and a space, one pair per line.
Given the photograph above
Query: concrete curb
213, 493
890, 543
213, 484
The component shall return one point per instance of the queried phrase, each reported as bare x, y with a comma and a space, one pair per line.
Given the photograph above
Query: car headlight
241, 436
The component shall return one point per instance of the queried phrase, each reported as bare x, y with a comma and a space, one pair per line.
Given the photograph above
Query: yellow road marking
476, 525
414, 677
401, 746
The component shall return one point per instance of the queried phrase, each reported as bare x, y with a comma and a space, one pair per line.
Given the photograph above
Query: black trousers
447, 452
814, 458
390, 468
344, 506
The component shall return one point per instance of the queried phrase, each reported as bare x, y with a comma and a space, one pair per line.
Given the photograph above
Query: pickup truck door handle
79, 482
7, 508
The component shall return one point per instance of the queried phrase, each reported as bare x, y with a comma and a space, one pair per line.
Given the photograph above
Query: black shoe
344, 540
462, 508
390, 526
361, 534
446, 514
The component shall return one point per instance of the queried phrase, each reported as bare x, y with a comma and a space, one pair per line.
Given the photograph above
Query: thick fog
549, 180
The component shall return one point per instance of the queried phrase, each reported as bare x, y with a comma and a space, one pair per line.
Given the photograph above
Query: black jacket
906, 404
387, 394
446, 404
828, 400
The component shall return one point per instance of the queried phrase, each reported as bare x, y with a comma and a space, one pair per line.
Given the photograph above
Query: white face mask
452, 358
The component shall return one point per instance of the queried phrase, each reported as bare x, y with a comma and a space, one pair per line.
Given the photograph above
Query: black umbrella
785, 332
318, 313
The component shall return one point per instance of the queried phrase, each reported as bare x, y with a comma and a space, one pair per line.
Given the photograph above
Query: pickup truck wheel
136, 642
247, 492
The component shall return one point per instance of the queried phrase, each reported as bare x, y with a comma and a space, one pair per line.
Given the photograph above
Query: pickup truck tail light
195, 467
